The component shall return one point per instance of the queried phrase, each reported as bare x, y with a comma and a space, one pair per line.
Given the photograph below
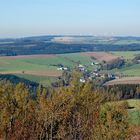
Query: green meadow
133, 110
47, 65
126, 54
134, 114
19, 66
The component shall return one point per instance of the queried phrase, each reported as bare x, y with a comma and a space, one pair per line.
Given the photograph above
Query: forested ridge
79, 111
48, 45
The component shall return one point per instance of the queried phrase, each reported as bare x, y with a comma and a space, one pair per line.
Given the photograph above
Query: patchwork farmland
43, 68
40, 68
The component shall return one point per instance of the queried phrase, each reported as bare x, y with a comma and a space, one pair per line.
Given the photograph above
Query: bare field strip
4, 63
29, 56
123, 81
36, 73
101, 56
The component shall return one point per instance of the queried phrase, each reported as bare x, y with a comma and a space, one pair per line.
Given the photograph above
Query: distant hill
66, 44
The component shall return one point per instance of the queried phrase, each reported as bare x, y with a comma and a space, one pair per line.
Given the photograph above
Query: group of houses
93, 75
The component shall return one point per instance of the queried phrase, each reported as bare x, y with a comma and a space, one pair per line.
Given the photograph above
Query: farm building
82, 80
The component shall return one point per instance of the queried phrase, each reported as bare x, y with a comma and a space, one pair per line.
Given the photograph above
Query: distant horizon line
68, 35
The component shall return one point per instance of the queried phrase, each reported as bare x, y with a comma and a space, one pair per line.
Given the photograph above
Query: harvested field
36, 73
101, 56
123, 81
4, 63
45, 73
28, 56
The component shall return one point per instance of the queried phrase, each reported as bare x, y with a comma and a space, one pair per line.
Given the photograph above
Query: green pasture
41, 64
43, 80
68, 60
76, 58
133, 70
133, 112
8, 65
126, 54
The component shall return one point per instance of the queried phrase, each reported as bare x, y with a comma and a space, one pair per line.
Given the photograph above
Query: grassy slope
42, 64
133, 70
69, 60
134, 114
126, 54
39, 79
77, 57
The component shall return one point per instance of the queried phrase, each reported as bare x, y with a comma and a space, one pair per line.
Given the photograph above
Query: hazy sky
97, 17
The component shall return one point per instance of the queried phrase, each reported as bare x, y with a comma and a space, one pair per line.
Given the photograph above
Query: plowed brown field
126, 80
101, 56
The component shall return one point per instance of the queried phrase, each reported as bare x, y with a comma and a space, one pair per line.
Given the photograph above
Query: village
100, 70
92, 75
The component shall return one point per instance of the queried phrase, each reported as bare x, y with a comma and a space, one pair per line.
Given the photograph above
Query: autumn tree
113, 122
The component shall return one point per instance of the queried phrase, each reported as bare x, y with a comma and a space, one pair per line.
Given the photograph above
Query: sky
20, 18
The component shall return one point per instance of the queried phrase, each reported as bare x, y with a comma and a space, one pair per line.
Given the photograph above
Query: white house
65, 68
82, 80
81, 67
60, 68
